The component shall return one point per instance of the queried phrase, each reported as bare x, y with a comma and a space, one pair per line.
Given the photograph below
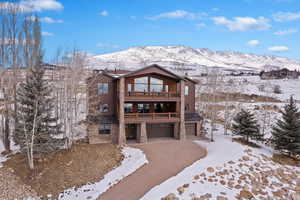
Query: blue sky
99, 26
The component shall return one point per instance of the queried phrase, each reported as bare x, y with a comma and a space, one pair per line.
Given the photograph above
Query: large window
103, 88
143, 108
186, 90
158, 107
128, 107
103, 108
156, 85
104, 129
141, 84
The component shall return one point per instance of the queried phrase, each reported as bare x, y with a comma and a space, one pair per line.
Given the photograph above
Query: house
279, 74
139, 105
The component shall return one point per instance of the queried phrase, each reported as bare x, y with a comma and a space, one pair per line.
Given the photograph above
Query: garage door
160, 130
190, 129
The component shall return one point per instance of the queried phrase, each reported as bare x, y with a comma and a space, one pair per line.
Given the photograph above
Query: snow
195, 59
2, 158
219, 153
133, 159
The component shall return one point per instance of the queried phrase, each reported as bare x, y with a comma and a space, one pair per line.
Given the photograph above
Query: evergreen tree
246, 125
36, 126
286, 133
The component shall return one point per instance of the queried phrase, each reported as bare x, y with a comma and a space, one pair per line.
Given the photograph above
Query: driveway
166, 159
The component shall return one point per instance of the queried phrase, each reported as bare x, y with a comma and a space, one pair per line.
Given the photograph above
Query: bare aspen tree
213, 80
70, 91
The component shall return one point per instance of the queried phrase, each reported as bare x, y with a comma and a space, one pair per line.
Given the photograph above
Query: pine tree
246, 125
36, 126
286, 133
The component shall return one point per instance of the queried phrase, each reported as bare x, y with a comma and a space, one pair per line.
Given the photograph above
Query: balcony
152, 95
152, 117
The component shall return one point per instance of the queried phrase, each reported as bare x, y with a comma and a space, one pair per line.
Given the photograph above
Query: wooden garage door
190, 129
160, 130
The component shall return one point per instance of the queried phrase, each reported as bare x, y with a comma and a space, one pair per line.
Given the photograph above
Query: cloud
104, 13
108, 46
178, 14
200, 26
253, 43
278, 48
50, 20
34, 5
45, 33
286, 32
243, 23
286, 16
215, 9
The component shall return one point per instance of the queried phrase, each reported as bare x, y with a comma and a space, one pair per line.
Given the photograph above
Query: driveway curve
166, 159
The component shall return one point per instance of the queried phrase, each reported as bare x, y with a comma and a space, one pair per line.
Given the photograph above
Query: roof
117, 74
150, 66
192, 117
103, 119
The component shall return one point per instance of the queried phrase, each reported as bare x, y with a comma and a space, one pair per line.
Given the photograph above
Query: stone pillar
182, 134
142, 133
198, 128
121, 134
176, 131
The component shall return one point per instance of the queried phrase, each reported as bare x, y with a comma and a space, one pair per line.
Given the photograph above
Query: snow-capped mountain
195, 59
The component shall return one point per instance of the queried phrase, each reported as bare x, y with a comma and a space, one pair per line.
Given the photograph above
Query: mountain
190, 59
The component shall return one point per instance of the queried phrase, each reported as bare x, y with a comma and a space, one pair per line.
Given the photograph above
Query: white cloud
50, 20
34, 5
286, 16
200, 26
286, 32
243, 23
215, 9
108, 46
178, 14
278, 48
104, 13
253, 43
45, 33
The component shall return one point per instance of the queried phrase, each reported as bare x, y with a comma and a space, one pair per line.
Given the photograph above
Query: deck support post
142, 133
121, 135
182, 134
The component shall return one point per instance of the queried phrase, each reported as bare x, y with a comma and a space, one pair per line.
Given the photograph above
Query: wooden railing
153, 94
169, 115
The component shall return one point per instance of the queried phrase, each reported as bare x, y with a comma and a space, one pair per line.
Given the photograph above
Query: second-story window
103, 108
141, 84
186, 90
156, 85
103, 88
128, 107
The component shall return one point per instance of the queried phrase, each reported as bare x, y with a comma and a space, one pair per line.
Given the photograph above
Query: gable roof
171, 74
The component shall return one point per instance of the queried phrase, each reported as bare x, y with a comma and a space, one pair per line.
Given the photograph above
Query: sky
270, 27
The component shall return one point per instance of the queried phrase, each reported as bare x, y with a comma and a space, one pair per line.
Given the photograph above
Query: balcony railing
136, 116
153, 94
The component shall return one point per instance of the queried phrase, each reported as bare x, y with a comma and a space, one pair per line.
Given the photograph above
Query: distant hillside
195, 59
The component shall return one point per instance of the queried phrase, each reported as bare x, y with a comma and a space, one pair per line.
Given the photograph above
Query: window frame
102, 90
104, 129
101, 108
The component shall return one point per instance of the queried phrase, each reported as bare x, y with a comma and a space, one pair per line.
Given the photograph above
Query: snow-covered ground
252, 84
228, 170
133, 159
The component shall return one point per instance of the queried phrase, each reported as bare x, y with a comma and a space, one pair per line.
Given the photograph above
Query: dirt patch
244, 142
81, 164
286, 160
